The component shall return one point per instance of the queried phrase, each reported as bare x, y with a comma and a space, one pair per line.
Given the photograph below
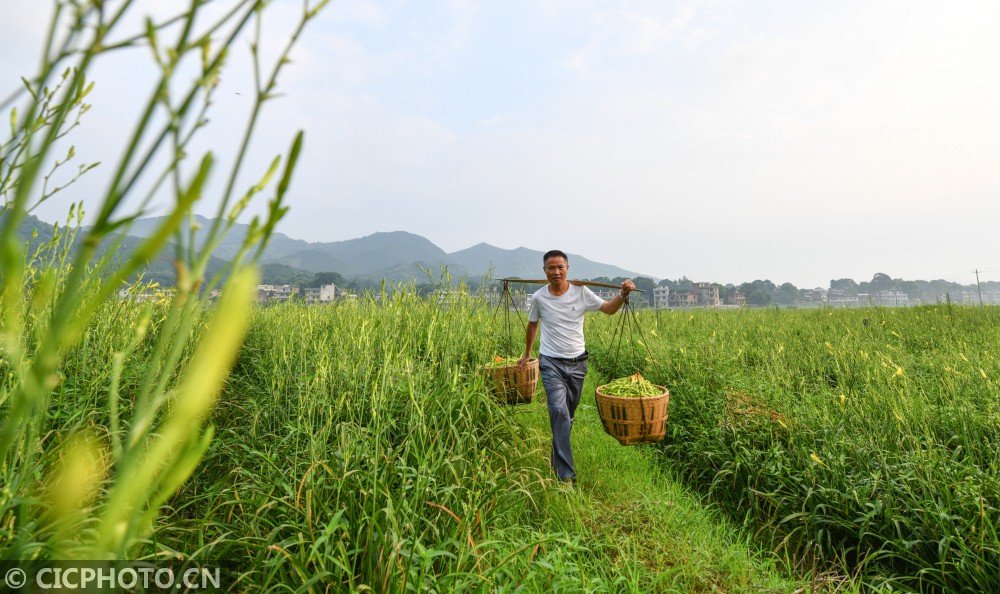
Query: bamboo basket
511, 384
634, 420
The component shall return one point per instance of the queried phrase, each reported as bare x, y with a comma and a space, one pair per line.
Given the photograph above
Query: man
562, 356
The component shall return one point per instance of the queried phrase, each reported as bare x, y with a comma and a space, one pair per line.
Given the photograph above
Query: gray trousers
563, 384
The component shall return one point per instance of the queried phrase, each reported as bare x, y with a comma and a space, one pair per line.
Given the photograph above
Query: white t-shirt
562, 319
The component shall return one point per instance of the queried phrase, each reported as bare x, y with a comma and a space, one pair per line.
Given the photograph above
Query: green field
356, 448
867, 439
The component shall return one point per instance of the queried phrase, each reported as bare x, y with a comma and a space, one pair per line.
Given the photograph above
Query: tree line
765, 292
760, 292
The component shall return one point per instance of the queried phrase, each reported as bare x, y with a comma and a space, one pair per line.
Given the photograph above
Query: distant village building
892, 298
451, 296
736, 297
683, 299
520, 300
988, 297
708, 294
817, 296
313, 295
605, 294
661, 297
838, 298
492, 296
635, 301
322, 294
156, 294
268, 293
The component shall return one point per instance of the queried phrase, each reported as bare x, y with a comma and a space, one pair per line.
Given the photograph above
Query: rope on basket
507, 302
510, 383
629, 323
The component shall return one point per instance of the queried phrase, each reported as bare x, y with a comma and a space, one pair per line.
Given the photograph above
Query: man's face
556, 269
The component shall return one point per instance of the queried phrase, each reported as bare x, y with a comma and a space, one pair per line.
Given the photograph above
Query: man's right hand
523, 361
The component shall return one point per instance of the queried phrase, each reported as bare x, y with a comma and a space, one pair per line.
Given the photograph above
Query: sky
719, 140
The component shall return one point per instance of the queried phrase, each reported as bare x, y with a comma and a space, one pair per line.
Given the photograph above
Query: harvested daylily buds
633, 386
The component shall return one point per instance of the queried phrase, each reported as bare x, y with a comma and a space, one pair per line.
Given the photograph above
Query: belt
578, 359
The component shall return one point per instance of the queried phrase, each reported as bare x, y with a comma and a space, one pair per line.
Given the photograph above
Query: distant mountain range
394, 256
398, 255
34, 232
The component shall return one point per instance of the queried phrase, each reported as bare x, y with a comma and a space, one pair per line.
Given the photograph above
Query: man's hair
554, 254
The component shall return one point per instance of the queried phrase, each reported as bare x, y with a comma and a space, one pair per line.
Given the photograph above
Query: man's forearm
616, 303
529, 337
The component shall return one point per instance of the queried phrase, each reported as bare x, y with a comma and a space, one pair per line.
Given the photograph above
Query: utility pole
979, 288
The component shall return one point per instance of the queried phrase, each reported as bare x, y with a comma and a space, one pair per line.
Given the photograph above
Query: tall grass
356, 447
360, 449
866, 439
102, 419
353, 447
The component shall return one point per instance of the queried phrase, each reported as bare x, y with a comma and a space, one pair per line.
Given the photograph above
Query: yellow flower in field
964, 357
982, 373
899, 371
653, 332
829, 346
843, 398
894, 334
782, 423
781, 349
816, 459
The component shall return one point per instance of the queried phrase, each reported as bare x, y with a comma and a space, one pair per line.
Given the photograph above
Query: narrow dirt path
643, 521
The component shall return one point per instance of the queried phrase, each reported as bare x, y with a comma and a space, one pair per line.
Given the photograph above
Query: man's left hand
627, 286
